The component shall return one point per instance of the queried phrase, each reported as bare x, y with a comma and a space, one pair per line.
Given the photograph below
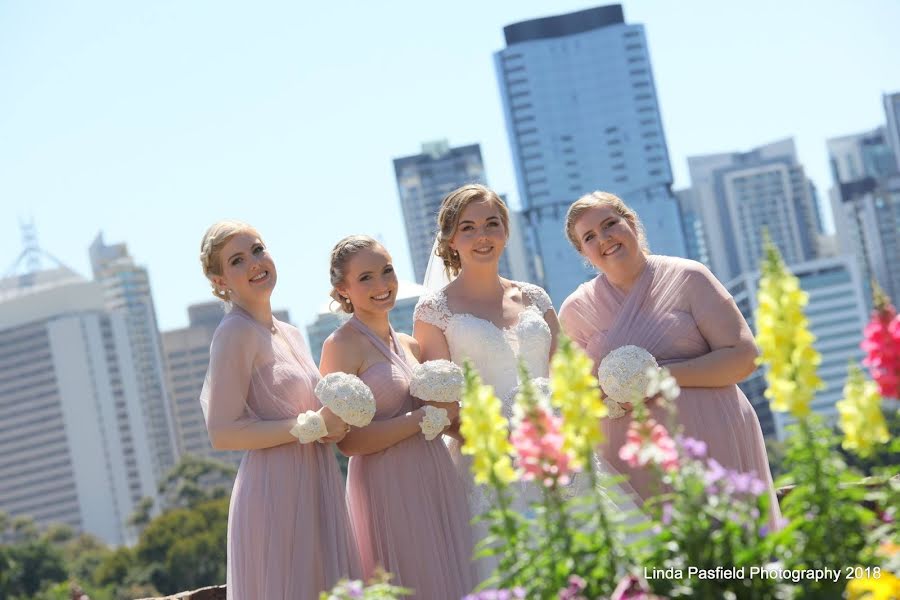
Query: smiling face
247, 268
370, 281
480, 234
608, 240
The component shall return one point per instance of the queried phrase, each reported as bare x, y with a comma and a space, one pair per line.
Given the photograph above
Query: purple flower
693, 447
780, 523
667, 511
745, 483
714, 473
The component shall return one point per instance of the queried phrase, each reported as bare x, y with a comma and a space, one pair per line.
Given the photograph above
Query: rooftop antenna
29, 262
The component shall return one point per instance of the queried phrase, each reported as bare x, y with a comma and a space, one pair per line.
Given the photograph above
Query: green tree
185, 548
196, 479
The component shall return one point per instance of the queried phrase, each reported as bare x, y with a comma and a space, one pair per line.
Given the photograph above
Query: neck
260, 311
482, 281
626, 278
378, 322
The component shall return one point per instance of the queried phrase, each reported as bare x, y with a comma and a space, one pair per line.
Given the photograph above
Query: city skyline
109, 131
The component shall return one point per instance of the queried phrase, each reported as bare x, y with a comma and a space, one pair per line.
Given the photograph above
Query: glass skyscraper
582, 115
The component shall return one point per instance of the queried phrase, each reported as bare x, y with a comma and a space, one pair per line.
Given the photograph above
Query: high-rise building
582, 114
126, 291
328, 319
187, 359
74, 447
694, 234
837, 316
422, 181
740, 194
867, 223
865, 200
861, 155
892, 116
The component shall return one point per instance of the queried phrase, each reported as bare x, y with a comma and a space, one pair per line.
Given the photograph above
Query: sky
149, 121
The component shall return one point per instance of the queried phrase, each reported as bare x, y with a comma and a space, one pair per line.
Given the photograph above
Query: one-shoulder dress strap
397, 357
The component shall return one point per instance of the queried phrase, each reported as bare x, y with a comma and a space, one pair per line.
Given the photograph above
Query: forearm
251, 434
381, 435
719, 368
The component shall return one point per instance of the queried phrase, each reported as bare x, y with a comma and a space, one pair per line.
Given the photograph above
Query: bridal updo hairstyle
596, 199
448, 219
214, 240
341, 254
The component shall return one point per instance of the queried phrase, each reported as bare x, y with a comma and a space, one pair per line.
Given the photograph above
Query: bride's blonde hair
448, 219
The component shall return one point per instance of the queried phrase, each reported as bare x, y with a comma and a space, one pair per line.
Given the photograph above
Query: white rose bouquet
439, 382
348, 397
622, 375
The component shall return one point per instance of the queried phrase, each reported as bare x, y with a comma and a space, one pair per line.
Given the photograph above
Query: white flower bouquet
348, 397
434, 422
310, 426
623, 376
437, 381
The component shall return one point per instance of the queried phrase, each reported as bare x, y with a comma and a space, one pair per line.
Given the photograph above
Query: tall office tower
892, 115
741, 193
186, 353
422, 181
126, 290
837, 315
694, 234
73, 432
865, 200
582, 115
861, 155
328, 319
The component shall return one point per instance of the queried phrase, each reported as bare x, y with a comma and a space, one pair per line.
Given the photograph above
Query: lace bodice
495, 352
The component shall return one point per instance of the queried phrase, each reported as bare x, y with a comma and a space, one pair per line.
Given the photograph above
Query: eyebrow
601, 223
494, 217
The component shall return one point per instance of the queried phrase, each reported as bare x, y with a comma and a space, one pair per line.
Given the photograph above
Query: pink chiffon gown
289, 531
407, 502
661, 313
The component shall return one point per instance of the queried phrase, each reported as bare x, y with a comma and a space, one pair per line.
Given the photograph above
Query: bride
493, 322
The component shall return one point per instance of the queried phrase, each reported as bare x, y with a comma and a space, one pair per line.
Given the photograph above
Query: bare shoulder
344, 341
411, 344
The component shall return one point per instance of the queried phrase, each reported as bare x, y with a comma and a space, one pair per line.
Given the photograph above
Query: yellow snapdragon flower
486, 432
861, 418
577, 397
784, 339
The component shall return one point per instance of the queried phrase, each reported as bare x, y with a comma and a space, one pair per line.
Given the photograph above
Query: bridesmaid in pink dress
289, 534
407, 501
678, 311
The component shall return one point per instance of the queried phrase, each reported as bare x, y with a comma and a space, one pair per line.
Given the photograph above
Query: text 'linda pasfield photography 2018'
760, 572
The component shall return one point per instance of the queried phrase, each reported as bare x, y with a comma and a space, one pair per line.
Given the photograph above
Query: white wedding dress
495, 353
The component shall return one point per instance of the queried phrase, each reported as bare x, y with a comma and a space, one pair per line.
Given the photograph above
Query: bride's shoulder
534, 295
432, 308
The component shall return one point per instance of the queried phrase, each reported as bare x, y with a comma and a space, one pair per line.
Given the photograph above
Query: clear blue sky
150, 120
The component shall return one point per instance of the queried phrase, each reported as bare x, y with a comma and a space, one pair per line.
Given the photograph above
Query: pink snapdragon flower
538, 441
881, 343
649, 442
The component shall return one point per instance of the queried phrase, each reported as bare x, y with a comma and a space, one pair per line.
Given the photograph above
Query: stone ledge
216, 592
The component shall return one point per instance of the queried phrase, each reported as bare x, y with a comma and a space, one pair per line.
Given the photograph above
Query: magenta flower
573, 592
881, 343
632, 587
